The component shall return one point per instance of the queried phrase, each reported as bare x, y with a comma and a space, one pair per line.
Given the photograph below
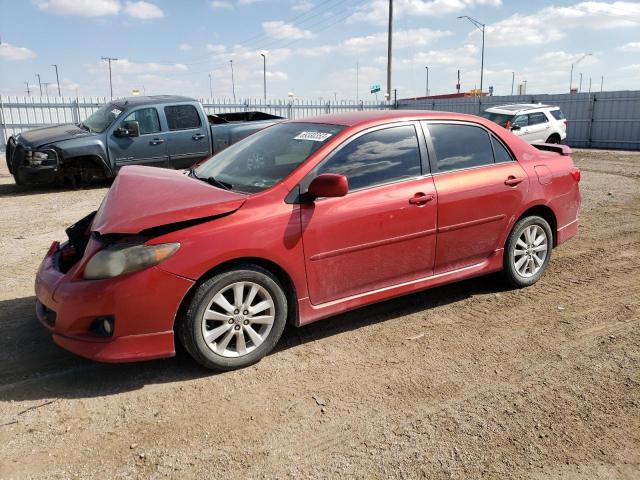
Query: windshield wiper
212, 181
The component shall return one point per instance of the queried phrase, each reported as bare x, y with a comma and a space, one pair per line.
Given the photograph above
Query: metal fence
598, 120
23, 113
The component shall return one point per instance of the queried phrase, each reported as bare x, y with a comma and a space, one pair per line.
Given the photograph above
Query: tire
216, 342
525, 261
554, 138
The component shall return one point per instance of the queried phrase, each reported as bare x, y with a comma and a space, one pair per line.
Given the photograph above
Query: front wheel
234, 319
555, 138
528, 251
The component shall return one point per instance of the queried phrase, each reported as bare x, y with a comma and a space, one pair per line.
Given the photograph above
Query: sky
331, 49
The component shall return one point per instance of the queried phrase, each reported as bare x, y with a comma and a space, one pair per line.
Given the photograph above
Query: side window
182, 117
537, 118
147, 118
521, 121
377, 157
500, 152
557, 114
460, 146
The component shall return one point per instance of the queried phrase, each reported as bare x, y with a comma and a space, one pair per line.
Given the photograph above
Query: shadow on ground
32, 367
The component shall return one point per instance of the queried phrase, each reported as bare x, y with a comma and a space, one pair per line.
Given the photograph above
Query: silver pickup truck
162, 131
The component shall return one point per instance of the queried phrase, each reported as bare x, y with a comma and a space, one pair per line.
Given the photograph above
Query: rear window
499, 118
557, 114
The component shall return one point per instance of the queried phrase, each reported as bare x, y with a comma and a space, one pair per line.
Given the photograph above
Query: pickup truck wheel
234, 319
554, 138
528, 251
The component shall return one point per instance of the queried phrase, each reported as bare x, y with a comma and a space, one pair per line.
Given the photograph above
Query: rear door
383, 231
539, 127
479, 192
149, 148
188, 137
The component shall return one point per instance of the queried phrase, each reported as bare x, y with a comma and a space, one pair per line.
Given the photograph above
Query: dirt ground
466, 381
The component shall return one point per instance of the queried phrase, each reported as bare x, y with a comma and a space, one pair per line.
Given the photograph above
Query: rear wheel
235, 318
555, 138
528, 251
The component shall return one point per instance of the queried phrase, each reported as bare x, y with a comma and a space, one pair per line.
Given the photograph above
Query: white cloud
464, 56
82, 8
302, 6
377, 11
124, 66
184, 47
216, 49
12, 53
401, 39
630, 47
143, 10
632, 68
282, 30
272, 75
552, 23
221, 4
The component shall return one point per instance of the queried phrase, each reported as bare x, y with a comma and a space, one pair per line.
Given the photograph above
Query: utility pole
357, 81
28, 91
109, 60
264, 76
580, 86
427, 86
389, 48
513, 78
57, 79
601, 83
39, 83
479, 26
210, 89
575, 63
46, 88
458, 84
525, 87
589, 84
233, 82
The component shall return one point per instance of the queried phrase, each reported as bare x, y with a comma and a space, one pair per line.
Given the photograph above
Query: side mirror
129, 129
515, 127
329, 185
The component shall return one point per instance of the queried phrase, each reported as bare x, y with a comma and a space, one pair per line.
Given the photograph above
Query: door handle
421, 199
513, 181
156, 141
198, 136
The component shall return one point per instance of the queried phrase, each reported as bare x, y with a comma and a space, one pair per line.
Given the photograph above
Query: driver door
149, 148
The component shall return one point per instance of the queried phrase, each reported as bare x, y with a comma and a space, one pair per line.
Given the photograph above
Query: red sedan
299, 222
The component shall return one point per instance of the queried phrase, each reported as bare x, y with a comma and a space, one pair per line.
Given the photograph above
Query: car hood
147, 197
41, 136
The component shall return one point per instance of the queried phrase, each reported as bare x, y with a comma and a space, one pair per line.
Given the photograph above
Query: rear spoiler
564, 150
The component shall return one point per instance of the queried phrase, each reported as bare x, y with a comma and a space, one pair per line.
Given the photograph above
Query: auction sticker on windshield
313, 136
116, 112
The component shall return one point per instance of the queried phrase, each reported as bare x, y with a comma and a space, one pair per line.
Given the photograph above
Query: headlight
47, 157
119, 259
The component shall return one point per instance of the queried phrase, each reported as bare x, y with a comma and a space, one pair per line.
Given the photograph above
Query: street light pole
57, 79
389, 49
575, 63
28, 90
39, 83
480, 26
210, 89
264, 76
109, 60
513, 78
233, 82
580, 85
427, 87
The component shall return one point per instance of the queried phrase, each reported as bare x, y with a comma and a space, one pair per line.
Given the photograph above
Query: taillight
508, 125
566, 122
575, 173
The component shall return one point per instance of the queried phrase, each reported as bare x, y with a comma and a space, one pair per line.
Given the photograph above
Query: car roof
355, 118
519, 107
151, 100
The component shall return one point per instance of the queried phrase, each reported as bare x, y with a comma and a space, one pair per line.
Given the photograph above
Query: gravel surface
470, 380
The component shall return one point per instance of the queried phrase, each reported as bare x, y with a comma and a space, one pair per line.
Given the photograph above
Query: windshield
499, 118
100, 120
266, 157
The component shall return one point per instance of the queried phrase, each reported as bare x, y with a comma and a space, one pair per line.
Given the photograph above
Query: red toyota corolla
298, 222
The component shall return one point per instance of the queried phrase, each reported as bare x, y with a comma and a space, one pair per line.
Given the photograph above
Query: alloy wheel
238, 319
530, 251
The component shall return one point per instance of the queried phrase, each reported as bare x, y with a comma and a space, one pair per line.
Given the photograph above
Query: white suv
534, 123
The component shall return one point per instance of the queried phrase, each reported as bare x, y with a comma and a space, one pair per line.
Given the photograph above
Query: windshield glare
100, 120
268, 156
499, 118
